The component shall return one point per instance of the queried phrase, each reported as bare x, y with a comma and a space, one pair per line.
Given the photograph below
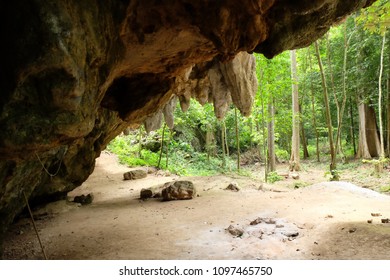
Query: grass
182, 160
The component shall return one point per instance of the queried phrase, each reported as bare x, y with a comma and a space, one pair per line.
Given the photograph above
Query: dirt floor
322, 221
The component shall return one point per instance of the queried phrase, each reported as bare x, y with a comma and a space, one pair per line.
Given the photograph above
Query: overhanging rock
75, 73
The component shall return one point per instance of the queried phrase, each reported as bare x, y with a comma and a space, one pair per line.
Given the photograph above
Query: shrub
273, 177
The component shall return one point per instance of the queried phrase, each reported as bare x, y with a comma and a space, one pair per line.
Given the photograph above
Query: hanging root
35, 228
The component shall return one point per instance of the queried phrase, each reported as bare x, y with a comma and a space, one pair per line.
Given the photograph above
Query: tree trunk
262, 148
250, 132
162, 146
313, 108
139, 141
208, 142
271, 137
303, 136
226, 140
304, 143
223, 136
388, 113
167, 148
264, 140
237, 140
369, 144
294, 160
333, 165
295, 157
352, 126
338, 147
341, 111
382, 144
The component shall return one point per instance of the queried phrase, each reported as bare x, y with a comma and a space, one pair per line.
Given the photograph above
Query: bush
273, 177
282, 154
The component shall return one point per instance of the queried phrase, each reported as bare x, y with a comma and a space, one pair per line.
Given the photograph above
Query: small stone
295, 175
84, 199
291, 233
369, 221
235, 231
146, 193
261, 220
134, 174
256, 221
151, 170
376, 214
269, 221
233, 187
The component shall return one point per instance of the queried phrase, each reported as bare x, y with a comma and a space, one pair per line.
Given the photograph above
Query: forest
325, 106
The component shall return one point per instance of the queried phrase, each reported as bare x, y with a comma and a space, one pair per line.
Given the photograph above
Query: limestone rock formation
74, 74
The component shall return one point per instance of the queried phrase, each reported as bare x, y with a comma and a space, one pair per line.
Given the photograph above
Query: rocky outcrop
74, 74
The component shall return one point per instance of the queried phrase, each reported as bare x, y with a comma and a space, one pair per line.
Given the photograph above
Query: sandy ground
322, 221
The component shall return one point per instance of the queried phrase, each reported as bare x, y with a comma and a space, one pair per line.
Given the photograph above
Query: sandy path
331, 221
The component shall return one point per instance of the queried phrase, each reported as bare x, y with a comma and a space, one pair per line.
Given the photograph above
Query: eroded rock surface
74, 74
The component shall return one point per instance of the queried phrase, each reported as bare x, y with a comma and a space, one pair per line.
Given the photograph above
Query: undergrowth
182, 160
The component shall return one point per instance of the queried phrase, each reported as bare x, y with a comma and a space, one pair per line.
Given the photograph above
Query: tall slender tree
271, 136
333, 164
313, 106
382, 149
295, 159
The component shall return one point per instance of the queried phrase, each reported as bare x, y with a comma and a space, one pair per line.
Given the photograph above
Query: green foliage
298, 185
273, 177
333, 175
385, 188
376, 18
282, 154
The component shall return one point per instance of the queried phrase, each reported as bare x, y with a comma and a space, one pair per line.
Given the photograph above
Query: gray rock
235, 231
83, 199
134, 174
178, 190
152, 145
233, 187
146, 193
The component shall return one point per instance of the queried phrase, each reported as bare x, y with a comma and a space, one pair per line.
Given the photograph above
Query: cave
75, 74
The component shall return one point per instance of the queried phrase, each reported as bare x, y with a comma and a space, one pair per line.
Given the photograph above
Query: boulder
151, 145
179, 190
134, 174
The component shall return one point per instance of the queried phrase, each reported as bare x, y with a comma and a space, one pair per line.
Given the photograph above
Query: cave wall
75, 73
